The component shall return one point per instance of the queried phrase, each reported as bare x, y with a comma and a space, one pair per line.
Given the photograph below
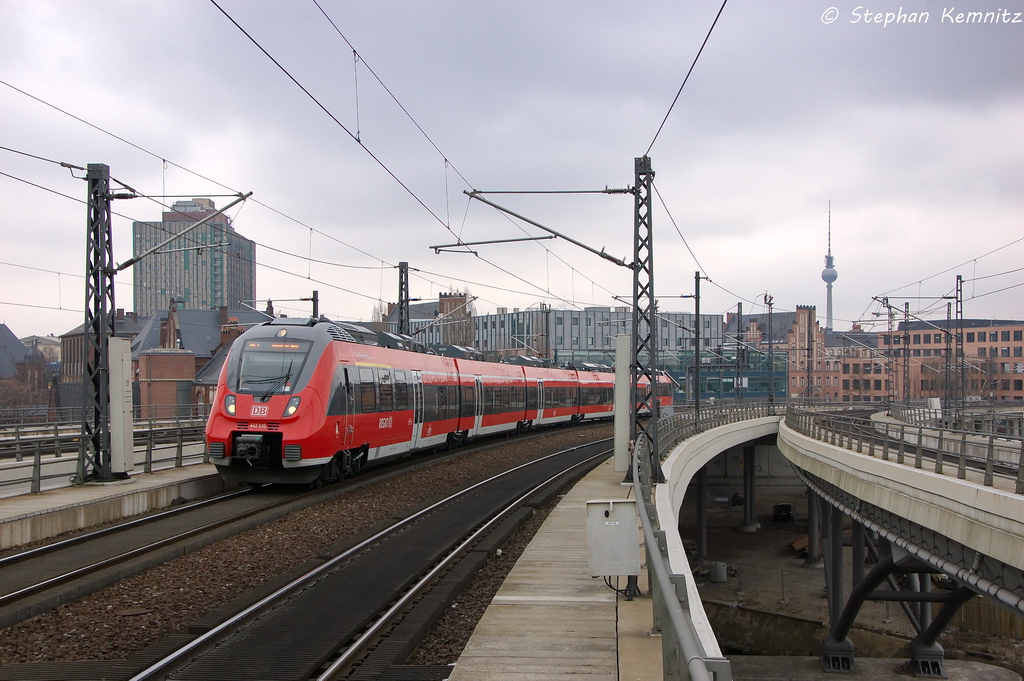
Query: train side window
468, 400
367, 391
387, 402
531, 398
430, 402
401, 391
442, 403
339, 393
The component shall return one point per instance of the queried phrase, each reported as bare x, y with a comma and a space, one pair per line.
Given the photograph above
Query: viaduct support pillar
750, 523
702, 514
813, 530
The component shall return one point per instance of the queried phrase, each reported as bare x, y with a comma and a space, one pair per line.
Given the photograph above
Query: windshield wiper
277, 384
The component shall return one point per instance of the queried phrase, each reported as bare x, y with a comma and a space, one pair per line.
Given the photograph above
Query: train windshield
272, 367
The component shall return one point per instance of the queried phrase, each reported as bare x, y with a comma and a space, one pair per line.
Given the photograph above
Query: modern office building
210, 267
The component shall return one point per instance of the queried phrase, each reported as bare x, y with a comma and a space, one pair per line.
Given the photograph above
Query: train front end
267, 423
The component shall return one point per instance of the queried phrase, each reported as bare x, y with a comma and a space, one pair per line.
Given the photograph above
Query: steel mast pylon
94, 448
645, 330
404, 327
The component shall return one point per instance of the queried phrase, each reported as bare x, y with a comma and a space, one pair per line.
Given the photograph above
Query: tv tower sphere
829, 274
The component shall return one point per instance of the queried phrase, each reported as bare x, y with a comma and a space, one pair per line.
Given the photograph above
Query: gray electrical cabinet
613, 539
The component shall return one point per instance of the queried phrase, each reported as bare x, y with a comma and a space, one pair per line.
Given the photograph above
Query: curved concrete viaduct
912, 520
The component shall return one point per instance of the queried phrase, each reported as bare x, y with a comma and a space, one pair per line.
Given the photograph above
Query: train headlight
293, 406
229, 404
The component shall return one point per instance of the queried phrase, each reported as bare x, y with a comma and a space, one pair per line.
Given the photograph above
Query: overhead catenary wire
676, 99
363, 146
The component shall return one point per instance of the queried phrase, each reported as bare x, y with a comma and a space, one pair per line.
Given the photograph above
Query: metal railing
683, 654
988, 456
997, 419
34, 463
43, 415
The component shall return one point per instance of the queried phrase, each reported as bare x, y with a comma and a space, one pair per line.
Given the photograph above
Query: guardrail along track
326, 617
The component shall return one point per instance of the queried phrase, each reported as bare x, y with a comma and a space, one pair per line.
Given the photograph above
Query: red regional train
303, 401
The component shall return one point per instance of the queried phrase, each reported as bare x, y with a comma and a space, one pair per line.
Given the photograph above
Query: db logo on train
260, 410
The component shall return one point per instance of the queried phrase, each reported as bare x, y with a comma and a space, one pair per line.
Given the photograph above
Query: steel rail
360, 646
13, 596
120, 527
178, 658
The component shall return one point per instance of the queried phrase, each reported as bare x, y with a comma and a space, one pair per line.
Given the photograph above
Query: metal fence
985, 456
35, 460
997, 419
43, 415
683, 654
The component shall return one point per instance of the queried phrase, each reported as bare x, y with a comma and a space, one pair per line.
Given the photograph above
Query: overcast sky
913, 131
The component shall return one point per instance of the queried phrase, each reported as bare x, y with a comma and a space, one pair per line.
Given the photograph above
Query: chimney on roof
223, 314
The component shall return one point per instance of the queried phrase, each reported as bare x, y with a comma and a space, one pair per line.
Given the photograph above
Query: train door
478, 421
416, 387
347, 425
540, 401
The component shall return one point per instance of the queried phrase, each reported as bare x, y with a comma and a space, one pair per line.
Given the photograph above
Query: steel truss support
644, 362
94, 449
917, 559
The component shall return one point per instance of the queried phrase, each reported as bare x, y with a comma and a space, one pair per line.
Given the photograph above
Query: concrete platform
31, 517
551, 619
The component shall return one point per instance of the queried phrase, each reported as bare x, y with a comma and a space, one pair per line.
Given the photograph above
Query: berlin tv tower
829, 274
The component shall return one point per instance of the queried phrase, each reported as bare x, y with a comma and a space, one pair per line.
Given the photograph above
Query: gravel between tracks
135, 613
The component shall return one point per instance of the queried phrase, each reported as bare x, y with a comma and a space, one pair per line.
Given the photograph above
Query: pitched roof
200, 330
12, 352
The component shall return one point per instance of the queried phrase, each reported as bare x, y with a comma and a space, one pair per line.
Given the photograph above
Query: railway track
36, 580
365, 607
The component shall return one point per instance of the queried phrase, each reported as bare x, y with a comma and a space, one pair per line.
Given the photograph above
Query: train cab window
367, 391
401, 391
387, 399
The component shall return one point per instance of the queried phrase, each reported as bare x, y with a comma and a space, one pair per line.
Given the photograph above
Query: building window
558, 320
1018, 384
846, 384
1004, 352
1018, 335
856, 384
1004, 384
575, 340
878, 384
970, 336
927, 352
856, 368
917, 338
981, 352
1016, 351
1004, 336
575, 321
927, 338
993, 336
938, 338
917, 353
846, 368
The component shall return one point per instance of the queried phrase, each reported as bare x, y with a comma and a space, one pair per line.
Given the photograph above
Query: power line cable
667, 113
